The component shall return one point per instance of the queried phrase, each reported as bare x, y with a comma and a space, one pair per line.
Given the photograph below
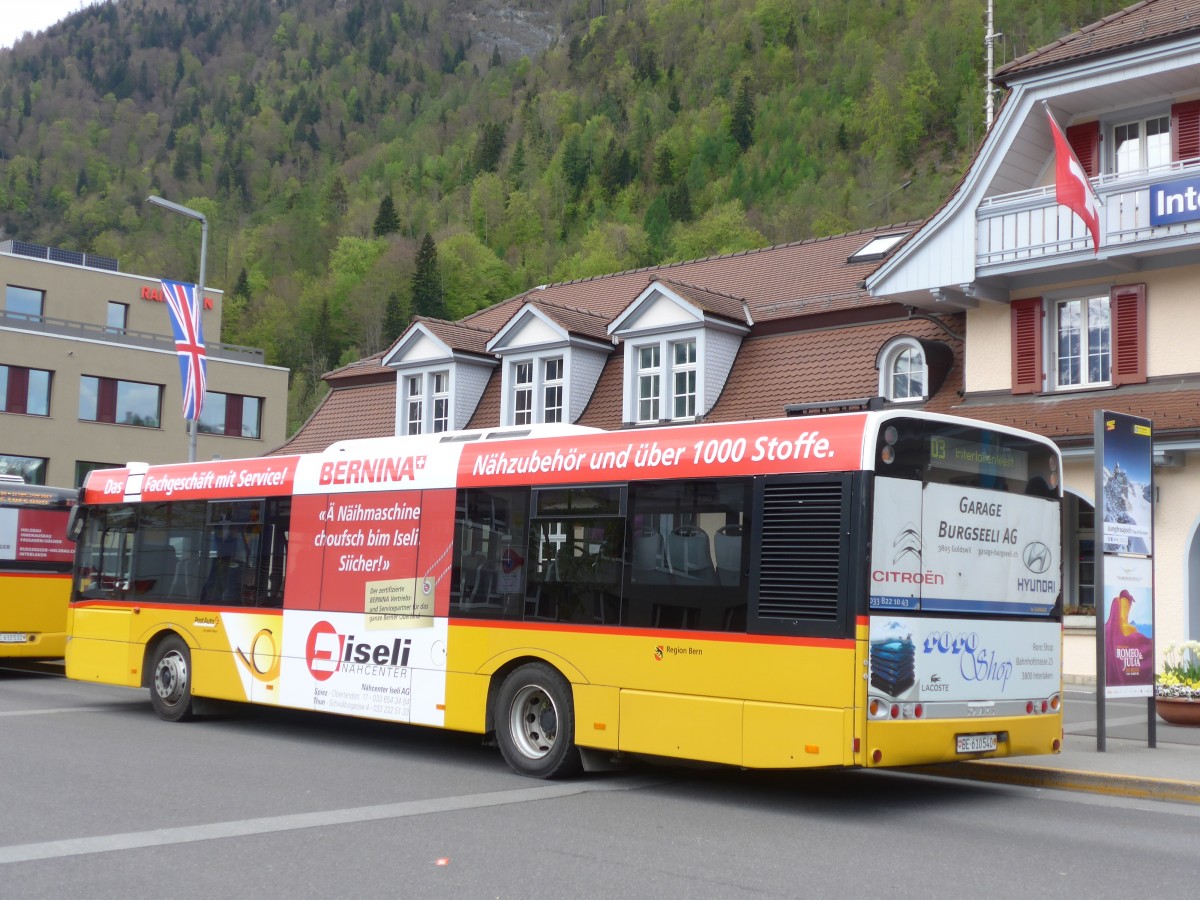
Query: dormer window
680, 373
427, 402
903, 371
536, 393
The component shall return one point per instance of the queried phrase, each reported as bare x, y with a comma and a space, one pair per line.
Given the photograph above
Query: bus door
103, 585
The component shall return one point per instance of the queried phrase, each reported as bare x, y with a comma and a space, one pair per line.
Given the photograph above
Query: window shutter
1027, 346
1128, 306
1085, 141
17, 400
1185, 130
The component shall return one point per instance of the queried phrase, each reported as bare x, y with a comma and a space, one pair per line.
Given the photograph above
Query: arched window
903, 371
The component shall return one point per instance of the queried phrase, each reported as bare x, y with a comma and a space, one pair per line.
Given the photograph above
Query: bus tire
535, 723
171, 680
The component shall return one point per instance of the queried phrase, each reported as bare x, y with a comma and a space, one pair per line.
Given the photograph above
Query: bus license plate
974, 743
13, 637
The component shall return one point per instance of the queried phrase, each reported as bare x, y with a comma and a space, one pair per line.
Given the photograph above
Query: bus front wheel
535, 723
171, 680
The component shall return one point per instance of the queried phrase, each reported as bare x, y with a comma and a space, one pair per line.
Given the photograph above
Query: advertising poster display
337, 662
1127, 620
1125, 581
928, 660
35, 535
944, 548
1127, 485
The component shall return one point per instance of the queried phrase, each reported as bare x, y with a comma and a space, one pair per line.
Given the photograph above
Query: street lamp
193, 424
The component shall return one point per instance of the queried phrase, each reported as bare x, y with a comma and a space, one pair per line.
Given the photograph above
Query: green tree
386, 221
723, 229
427, 297
395, 318
741, 123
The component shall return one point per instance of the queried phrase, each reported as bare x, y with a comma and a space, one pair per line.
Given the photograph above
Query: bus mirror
76, 520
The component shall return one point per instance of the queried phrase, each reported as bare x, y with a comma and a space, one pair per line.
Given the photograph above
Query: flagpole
193, 424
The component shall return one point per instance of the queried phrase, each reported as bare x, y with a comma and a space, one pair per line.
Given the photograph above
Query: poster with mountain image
1127, 500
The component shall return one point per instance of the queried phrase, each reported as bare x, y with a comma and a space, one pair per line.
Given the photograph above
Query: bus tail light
1056, 703
1029, 707
1045, 705
918, 711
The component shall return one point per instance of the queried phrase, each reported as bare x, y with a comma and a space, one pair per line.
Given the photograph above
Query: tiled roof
725, 305
801, 278
817, 366
367, 367
575, 321
1174, 409
1142, 23
457, 335
358, 411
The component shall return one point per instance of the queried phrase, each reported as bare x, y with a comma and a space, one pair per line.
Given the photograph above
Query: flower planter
1178, 710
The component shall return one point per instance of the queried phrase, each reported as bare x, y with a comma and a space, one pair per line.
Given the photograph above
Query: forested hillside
534, 142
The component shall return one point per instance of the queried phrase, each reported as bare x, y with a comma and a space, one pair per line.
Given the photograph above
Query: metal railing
1029, 226
122, 336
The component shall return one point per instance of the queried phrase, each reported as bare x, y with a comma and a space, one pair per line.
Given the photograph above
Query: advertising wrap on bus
343, 663
34, 535
944, 548
917, 658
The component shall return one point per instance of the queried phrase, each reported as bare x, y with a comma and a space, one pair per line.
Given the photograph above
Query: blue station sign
1175, 201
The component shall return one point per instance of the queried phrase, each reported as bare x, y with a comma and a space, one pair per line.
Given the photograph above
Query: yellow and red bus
35, 569
875, 588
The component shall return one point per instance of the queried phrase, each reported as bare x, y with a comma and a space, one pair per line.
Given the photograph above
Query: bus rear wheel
171, 680
535, 723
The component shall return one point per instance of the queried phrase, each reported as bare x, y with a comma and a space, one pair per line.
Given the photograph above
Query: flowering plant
1180, 676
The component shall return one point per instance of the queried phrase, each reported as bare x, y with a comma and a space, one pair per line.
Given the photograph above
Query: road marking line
273, 824
67, 709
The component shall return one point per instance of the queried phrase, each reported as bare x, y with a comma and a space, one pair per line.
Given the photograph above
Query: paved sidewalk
1128, 767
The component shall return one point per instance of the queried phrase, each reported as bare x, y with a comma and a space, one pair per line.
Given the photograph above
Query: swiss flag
1072, 188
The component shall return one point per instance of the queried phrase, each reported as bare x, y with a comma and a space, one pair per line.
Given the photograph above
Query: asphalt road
101, 799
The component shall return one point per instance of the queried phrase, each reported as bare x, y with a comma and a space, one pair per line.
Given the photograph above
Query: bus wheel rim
533, 722
170, 677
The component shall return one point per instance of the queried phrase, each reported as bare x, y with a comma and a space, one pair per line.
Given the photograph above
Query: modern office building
89, 375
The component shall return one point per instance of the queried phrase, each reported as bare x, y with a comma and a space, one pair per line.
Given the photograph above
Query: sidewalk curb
1068, 780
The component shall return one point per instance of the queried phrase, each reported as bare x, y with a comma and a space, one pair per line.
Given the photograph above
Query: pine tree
741, 124
386, 222
337, 200
426, 282
394, 318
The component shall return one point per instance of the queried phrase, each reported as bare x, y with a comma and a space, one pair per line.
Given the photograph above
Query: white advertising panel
931, 659
356, 664
944, 548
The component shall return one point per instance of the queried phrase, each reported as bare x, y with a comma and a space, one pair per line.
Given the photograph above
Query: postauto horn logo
328, 652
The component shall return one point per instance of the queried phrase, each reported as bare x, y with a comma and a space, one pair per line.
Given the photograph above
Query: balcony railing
125, 336
1029, 227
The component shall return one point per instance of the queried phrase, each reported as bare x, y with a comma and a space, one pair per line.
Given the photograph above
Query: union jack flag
185, 306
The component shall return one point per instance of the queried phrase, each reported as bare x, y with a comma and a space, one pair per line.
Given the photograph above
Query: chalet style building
1057, 328
997, 307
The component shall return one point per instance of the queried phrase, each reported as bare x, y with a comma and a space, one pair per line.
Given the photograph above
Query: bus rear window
940, 453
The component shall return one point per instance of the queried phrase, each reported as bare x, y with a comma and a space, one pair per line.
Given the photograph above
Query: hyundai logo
1036, 557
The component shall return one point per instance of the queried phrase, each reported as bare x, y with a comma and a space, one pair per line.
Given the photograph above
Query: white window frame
522, 391
439, 389
535, 389
426, 402
553, 369
647, 382
689, 369
1086, 306
900, 352
414, 404
652, 391
1150, 154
